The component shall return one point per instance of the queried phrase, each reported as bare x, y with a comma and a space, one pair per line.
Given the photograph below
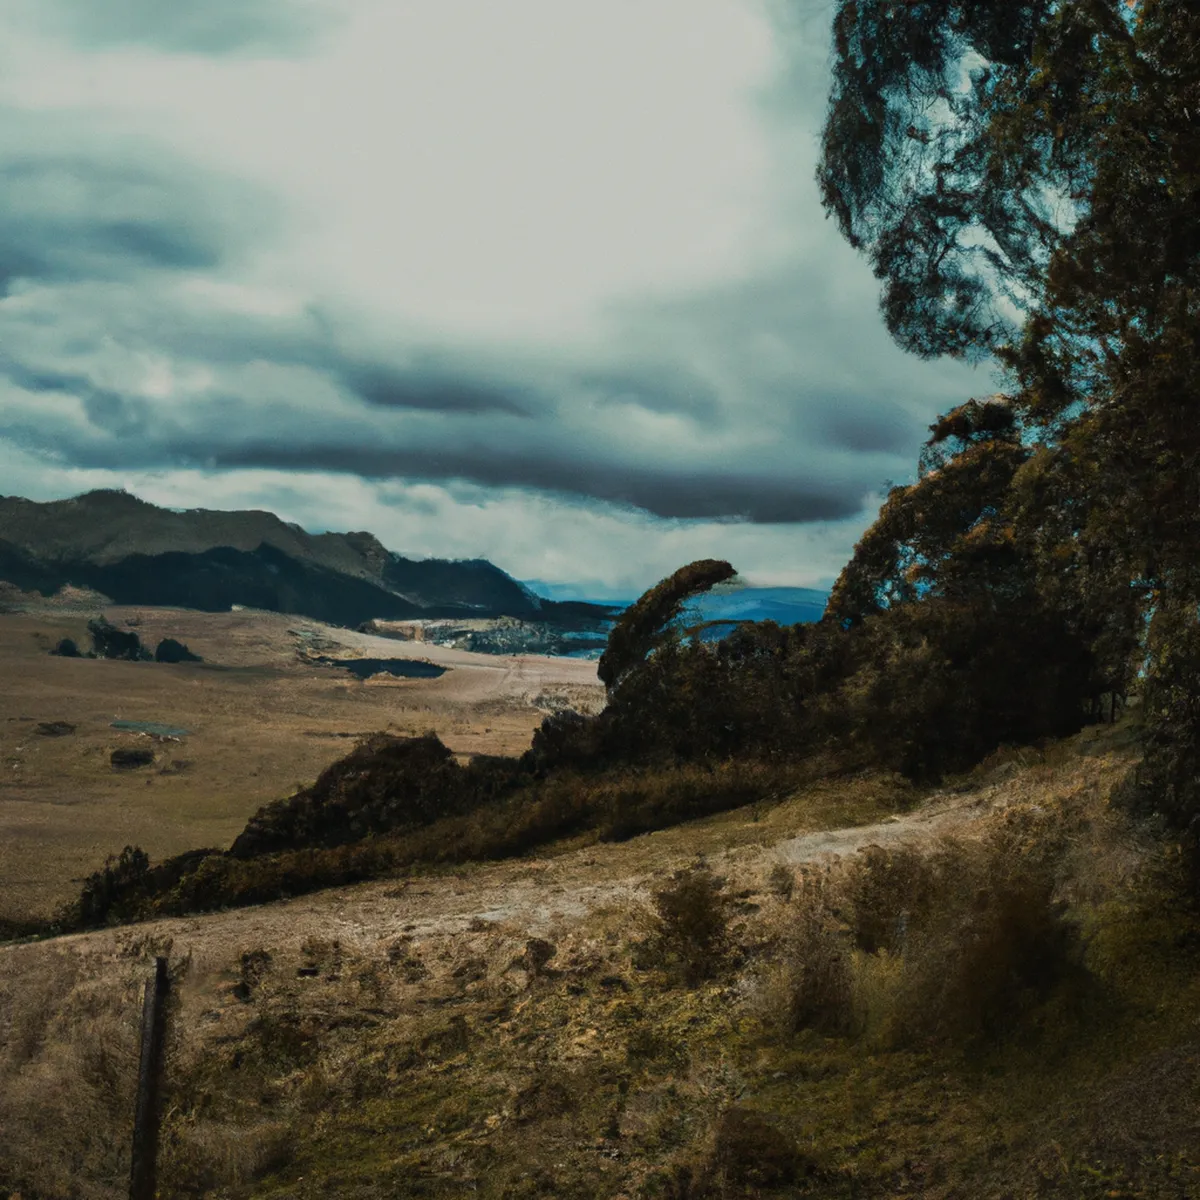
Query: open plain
261, 714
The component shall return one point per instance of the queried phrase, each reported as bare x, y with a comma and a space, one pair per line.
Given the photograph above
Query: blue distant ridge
783, 605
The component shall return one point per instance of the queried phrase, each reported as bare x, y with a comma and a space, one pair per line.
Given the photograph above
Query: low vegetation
1009, 1014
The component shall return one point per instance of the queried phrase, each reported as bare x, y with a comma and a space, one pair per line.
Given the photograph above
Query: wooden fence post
142, 1174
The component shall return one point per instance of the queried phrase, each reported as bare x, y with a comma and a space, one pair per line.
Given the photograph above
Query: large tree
1024, 176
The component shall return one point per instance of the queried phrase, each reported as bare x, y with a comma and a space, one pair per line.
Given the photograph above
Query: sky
544, 282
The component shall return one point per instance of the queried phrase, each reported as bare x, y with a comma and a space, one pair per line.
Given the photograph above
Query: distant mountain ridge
783, 605
137, 553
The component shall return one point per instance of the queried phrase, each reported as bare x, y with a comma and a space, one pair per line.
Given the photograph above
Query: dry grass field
498, 1030
260, 720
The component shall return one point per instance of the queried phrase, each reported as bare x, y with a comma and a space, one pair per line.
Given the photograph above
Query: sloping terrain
261, 715
512, 1030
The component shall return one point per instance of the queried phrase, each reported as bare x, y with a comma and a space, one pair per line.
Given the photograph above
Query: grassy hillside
992, 995
262, 719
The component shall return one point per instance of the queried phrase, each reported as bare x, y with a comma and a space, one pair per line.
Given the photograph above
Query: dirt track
551, 897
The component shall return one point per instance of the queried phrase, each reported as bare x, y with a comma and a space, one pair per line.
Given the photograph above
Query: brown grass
426, 1049
261, 721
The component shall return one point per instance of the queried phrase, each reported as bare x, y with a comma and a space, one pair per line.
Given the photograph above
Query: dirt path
547, 897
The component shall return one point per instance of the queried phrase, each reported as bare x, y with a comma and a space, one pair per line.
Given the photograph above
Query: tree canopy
1025, 180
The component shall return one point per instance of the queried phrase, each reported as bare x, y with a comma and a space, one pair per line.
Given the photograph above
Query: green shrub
385, 784
112, 893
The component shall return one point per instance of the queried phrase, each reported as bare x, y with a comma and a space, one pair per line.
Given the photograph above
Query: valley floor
261, 718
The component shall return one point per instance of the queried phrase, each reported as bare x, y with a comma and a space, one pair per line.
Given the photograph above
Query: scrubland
861, 988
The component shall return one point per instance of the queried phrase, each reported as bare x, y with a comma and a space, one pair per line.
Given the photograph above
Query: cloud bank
501, 292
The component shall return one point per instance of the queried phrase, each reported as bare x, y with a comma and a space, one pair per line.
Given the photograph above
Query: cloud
84, 203
214, 27
529, 535
439, 389
735, 406
452, 272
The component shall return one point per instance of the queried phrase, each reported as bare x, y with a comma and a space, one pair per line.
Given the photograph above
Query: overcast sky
545, 281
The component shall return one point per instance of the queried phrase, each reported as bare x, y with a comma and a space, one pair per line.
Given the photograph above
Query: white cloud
467, 274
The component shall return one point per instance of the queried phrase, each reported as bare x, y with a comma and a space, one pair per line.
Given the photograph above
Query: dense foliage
1024, 178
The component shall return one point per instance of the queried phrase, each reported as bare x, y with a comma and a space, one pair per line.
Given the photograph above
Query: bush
748, 1150
171, 651
385, 784
690, 937
809, 984
994, 946
129, 758
493, 809
112, 893
959, 946
110, 642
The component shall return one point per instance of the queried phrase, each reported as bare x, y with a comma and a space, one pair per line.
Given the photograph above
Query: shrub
690, 937
385, 784
112, 893
995, 945
748, 1150
129, 758
956, 947
171, 651
110, 642
809, 984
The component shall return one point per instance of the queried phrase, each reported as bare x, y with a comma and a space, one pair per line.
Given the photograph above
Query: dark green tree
646, 624
1025, 179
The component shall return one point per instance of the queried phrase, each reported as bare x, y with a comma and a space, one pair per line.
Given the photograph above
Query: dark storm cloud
71, 216
656, 387
34, 379
738, 417
211, 27
666, 490
870, 428
384, 386
774, 399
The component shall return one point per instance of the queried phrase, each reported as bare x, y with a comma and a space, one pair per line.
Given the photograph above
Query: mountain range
134, 552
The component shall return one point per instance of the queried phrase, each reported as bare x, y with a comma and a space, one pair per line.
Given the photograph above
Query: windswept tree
645, 625
951, 649
946, 534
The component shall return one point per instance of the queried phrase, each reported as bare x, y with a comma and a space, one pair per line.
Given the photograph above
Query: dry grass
427, 1049
261, 720
68, 1061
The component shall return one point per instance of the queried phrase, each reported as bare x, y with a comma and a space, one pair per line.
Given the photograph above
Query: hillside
263, 711
136, 553
533, 1028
